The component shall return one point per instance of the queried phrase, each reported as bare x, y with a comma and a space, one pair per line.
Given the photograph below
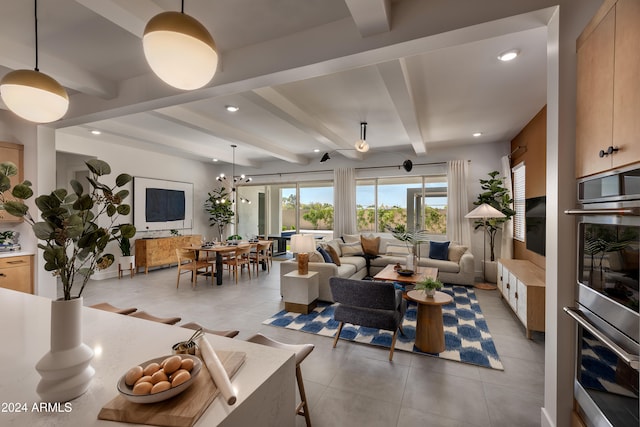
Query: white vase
490, 271
410, 262
65, 370
430, 293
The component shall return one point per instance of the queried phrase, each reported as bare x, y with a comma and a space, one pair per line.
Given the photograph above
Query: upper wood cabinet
10, 152
608, 89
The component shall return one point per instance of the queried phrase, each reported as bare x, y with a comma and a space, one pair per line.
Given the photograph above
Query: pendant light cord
35, 12
182, 7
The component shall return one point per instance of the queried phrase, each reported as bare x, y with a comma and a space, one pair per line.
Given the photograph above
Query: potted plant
411, 240
495, 194
73, 232
126, 261
429, 286
220, 208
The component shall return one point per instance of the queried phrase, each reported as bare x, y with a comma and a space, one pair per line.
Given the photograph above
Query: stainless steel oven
606, 310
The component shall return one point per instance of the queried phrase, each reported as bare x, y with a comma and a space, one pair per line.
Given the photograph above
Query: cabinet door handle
3, 275
15, 262
516, 295
508, 286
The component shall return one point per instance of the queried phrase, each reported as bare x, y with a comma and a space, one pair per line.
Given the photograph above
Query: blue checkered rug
467, 337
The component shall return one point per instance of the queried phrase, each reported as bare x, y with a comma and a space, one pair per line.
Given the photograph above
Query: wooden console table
522, 284
162, 250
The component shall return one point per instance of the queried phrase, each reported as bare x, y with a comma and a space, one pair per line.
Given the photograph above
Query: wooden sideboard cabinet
14, 153
522, 284
16, 272
608, 89
162, 250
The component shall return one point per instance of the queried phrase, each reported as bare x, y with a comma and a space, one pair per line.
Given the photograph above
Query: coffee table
429, 326
388, 274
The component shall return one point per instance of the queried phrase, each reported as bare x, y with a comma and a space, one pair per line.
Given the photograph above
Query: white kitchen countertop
14, 253
265, 383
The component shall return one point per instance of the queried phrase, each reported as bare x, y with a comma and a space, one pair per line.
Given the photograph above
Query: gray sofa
391, 251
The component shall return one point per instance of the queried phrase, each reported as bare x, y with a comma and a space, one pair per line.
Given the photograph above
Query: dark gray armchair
368, 303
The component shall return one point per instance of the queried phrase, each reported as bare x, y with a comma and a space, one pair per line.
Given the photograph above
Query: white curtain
344, 201
458, 227
506, 248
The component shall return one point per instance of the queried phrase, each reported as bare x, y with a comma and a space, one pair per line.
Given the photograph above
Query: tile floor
354, 384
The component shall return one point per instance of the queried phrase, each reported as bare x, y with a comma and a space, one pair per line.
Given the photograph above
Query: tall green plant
220, 209
495, 194
70, 233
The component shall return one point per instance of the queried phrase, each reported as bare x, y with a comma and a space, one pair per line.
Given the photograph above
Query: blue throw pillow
439, 250
325, 255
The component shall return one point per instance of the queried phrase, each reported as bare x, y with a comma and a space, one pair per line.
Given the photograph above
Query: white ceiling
304, 74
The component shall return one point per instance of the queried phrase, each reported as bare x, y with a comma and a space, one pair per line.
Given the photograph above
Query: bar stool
147, 316
301, 351
108, 307
195, 326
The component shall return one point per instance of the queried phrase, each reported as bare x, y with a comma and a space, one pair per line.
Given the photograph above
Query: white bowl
127, 391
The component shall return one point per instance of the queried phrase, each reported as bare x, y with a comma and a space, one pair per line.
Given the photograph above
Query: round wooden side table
429, 326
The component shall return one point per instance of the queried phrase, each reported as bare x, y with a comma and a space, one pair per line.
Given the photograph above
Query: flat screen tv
163, 205
535, 221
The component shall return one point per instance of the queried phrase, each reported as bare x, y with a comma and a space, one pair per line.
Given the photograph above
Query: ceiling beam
186, 117
276, 103
396, 79
131, 16
370, 16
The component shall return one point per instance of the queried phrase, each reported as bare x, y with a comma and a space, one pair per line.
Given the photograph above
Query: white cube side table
300, 291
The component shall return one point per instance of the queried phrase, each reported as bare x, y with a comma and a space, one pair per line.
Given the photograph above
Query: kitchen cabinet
522, 284
162, 250
608, 89
10, 152
16, 273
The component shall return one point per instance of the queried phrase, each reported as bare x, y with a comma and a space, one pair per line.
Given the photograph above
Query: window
315, 211
519, 201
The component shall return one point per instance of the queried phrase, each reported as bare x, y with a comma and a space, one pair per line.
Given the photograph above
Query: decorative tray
405, 272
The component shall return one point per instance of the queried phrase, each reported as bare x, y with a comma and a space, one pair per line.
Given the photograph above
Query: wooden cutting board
180, 411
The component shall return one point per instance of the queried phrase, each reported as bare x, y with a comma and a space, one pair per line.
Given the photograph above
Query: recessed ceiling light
215, 160
231, 108
95, 132
316, 150
509, 55
477, 134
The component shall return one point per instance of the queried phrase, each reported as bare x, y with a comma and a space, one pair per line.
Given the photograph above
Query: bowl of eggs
159, 379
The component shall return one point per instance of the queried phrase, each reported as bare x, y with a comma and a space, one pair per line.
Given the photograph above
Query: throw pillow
456, 252
350, 238
325, 254
334, 255
316, 256
397, 249
439, 250
351, 249
370, 245
335, 244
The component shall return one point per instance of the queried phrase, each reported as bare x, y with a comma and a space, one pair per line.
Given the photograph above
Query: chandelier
234, 180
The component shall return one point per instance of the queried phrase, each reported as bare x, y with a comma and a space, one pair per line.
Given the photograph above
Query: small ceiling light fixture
316, 150
407, 165
509, 55
231, 108
242, 179
477, 134
214, 160
180, 50
325, 157
33, 95
362, 145
95, 132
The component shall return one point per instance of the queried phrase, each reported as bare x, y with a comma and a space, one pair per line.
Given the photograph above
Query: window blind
519, 201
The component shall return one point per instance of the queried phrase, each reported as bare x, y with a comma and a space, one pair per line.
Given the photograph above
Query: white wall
142, 163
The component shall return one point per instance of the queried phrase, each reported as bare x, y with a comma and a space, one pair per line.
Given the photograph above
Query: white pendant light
180, 50
362, 145
33, 95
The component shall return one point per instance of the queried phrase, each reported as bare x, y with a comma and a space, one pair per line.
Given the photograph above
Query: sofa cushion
351, 249
335, 258
442, 266
325, 254
335, 244
316, 256
346, 270
383, 261
359, 261
397, 249
350, 238
456, 252
370, 245
439, 250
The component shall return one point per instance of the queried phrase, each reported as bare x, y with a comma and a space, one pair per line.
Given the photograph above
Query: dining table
264, 383
219, 250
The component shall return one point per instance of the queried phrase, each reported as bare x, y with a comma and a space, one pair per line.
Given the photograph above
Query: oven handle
582, 321
604, 211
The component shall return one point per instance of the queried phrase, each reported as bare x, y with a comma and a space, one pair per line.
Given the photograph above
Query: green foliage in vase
75, 228
428, 284
220, 209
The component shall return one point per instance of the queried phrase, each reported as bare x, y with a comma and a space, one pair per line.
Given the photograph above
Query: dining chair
188, 261
239, 259
108, 307
260, 255
229, 333
146, 316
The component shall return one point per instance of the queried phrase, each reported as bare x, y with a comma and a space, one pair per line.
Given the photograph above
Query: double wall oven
606, 310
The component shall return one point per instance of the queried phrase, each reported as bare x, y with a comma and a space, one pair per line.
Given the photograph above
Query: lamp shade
302, 243
34, 96
362, 146
180, 50
485, 211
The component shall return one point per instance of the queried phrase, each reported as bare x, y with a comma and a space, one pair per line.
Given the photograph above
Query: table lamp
484, 212
302, 244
